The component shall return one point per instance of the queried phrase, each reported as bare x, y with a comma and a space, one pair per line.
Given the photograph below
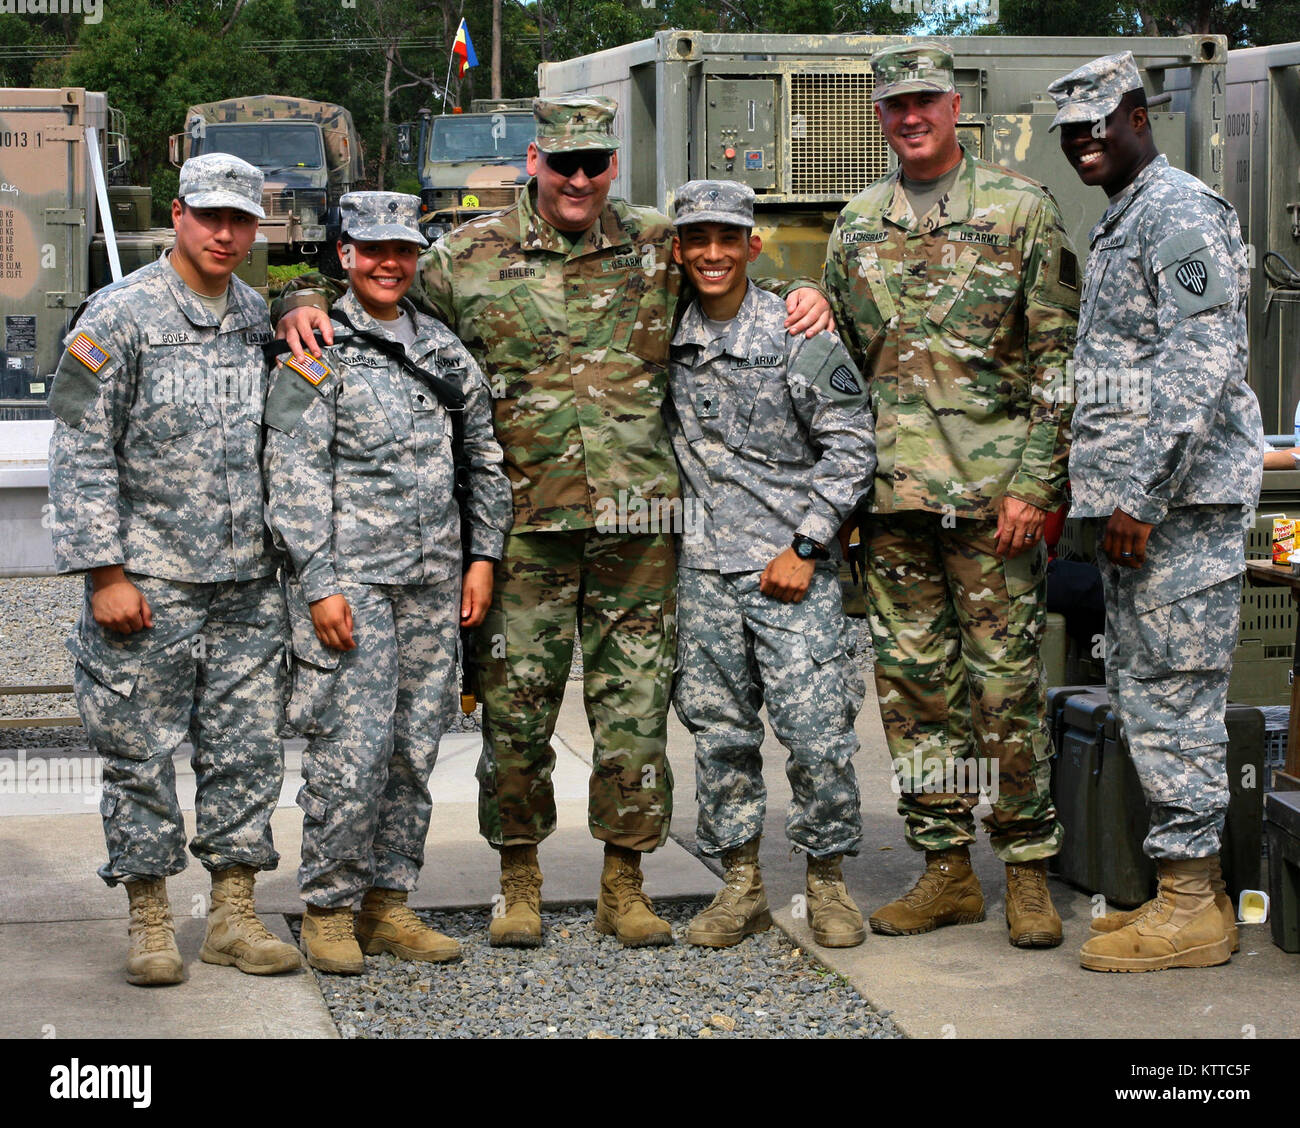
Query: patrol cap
221, 180
911, 68
576, 121
714, 201
1091, 92
382, 215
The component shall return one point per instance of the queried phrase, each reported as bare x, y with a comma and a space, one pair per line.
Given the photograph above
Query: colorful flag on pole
463, 49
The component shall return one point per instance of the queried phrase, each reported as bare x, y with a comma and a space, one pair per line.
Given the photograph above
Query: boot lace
1031, 889
239, 898
403, 916
518, 884
626, 883
928, 886
152, 921
335, 927
827, 883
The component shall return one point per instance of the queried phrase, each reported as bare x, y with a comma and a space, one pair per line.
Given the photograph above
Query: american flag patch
89, 353
309, 368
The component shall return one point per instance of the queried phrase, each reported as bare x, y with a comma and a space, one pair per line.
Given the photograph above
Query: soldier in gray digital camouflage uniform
774, 439
359, 478
1165, 455
157, 492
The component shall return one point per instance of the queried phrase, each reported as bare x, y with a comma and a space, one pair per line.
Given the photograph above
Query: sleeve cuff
314, 298
319, 583
1036, 492
817, 527
1142, 507
487, 543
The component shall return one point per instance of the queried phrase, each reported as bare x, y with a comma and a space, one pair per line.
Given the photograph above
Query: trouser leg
813, 692
238, 710
1170, 639
1001, 612
915, 633
347, 714
628, 650
525, 649
426, 620
717, 697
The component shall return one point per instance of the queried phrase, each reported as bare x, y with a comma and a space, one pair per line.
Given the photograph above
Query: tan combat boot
623, 910
235, 935
153, 958
1032, 919
386, 924
1183, 927
948, 892
329, 941
1113, 922
835, 919
740, 906
520, 925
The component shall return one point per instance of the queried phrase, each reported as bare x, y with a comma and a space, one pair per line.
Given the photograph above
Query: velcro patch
309, 368
89, 353
1068, 271
842, 380
1193, 275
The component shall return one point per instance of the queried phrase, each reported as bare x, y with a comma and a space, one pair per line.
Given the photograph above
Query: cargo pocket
326, 822
1188, 631
313, 669
1024, 573
105, 678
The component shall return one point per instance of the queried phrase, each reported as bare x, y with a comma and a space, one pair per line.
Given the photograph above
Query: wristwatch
808, 549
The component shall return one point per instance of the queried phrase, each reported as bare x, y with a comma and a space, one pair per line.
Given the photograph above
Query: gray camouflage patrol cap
382, 215
911, 68
221, 180
714, 201
1091, 92
575, 122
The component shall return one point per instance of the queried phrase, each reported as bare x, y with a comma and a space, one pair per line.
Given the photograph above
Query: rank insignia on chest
309, 368
1193, 276
89, 353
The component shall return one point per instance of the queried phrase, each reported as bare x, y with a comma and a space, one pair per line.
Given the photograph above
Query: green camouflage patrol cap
911, 68
221, 180
1091, 92
575, 121
714, 201
377, 216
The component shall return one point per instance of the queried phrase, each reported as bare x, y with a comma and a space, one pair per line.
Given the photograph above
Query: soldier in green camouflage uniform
956, 289
567, 300
157, 494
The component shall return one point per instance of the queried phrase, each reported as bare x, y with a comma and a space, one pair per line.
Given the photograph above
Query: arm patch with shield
1192, 272
825, 364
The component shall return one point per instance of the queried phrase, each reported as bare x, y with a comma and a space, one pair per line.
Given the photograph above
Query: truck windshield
470, 137
266, 145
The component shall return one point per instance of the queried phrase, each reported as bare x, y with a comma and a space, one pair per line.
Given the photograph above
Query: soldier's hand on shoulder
787, 577
299, 327
117, 604
809, 312
332, 618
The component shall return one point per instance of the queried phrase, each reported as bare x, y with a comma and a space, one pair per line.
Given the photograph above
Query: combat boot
835, 919
1032, 919
623, 910
948, 892
386, 924
1113, 922
329, 940
235, 935
153, 958
740, 906
520, 925
1183, 927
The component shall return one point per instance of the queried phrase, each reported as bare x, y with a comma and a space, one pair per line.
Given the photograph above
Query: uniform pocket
1024, 573
1195, 631
973, 301
335, 837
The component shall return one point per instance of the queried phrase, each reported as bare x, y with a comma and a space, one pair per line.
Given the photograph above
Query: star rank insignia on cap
579, 118
89, 353
309, 368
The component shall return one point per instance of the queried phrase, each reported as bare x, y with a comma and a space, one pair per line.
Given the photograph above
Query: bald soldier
1166, 454
955, 287
567, 301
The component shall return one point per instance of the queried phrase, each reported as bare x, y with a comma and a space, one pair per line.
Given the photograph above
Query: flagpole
447, 85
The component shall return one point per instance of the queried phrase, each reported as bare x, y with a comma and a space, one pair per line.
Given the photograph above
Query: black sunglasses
593, 162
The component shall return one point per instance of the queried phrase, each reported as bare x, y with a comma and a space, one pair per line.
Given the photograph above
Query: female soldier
360, 483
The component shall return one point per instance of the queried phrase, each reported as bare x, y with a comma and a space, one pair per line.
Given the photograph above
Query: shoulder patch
1192, 273
309, 368
287, 402
824, 364
92, 355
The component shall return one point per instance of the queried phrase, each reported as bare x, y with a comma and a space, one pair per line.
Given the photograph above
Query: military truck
309, 152
58, 150
470, 164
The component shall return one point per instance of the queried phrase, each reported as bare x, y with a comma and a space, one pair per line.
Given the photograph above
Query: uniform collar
1120, 204
239, 313
694, 331
536, 234
955, 207
426, 337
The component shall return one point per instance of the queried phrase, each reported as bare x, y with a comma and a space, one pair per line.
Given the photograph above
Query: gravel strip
583, 985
